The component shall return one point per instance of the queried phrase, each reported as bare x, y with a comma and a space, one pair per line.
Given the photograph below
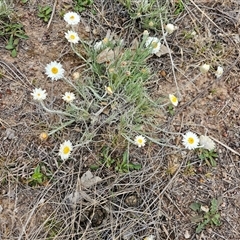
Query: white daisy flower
154, 44
204, 68
190, 140
72, 36
68, 97
71, 18
170, 28
54, 70
65, 149
39, 94
150, 237
140, 141
219, 72
173, 99
206, 142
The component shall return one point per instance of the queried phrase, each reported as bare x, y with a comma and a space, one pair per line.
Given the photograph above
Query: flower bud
219, 72
170, 28
76, 75
204, 68
43, 136
109, 90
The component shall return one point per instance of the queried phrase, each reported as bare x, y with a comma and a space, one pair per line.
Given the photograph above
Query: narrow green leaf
48, 11
16, 41
9, 47
14, 52
213, 162
125, 157
10, 41
214, 206
23, 36
216, 219
41, 15
93, 167
45, 8
199, 228
195, 206
133, 166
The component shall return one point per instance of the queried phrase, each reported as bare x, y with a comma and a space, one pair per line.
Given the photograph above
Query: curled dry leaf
134, 44
9, 134
77, 196
205, 208
88, 180
163, 50
108, 54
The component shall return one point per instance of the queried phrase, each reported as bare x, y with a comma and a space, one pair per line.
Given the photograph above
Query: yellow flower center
54, 70
109, 90
151, 24
72, 37
174, 99
72, 17
105, 40
39, 94
66, 150
140, 141
43, 136
128, 73
190, 140
68, 96
154, 44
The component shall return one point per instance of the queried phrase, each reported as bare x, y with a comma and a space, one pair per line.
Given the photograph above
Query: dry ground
140, 203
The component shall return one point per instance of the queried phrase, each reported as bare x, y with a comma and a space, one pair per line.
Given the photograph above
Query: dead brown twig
224, 145
53, 11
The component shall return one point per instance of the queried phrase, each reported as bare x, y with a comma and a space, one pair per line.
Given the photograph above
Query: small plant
81, 5
113, 101
125, 166
14, 32
189, 34
107, 160
207, 216
171, 110
179, 7
44, 12
121, 165
208, 157
147, 12
53, 227
5, 9
37, 177
189, 170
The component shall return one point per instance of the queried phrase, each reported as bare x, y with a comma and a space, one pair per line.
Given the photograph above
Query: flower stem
62, 126
55, 111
